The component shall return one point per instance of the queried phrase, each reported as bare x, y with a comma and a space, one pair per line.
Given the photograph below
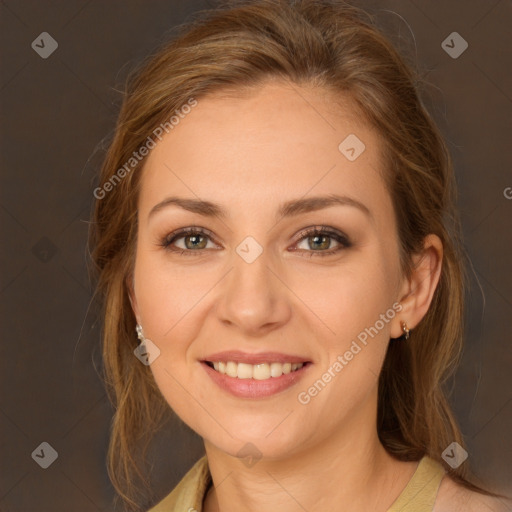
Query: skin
250, 153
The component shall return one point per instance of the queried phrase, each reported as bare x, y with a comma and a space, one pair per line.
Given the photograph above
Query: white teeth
276, 369
244, 371
231, 369
262, 371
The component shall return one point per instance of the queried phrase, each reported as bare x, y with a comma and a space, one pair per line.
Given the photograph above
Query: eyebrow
287, 209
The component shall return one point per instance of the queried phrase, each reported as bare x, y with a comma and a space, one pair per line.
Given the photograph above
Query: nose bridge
253, 297
251, 270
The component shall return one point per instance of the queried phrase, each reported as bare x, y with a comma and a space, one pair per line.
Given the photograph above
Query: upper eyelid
182, 233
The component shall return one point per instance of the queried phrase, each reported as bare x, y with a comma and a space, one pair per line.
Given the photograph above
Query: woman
275, 224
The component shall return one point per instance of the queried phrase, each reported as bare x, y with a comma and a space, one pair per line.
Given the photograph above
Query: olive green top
418, 495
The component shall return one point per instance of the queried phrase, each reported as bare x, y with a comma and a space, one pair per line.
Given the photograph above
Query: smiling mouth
262, 371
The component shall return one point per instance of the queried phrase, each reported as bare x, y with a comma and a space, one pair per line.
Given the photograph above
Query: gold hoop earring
405, 330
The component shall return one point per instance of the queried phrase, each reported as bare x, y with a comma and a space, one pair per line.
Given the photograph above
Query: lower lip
253, 388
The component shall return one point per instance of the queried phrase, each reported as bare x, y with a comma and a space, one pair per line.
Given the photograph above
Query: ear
417, 291
130, 285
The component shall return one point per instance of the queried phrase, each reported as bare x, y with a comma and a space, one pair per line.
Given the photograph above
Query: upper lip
238, 356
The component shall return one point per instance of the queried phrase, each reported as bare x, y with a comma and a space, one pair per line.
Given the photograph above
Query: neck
350, 467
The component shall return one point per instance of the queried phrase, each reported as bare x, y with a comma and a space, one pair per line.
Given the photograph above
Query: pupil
316, 239
193, 241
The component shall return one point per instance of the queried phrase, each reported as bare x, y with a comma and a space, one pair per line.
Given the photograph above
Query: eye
187, 241
318, 241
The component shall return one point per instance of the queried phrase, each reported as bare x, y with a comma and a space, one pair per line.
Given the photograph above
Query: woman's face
256, 174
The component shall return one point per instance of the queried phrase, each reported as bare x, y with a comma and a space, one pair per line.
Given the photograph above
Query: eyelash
339, 237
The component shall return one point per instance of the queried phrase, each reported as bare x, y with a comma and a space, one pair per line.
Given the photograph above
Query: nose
253, 297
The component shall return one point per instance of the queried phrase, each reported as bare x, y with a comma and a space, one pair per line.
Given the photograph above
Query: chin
256, 445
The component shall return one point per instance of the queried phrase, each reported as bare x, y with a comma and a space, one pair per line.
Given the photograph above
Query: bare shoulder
453, 497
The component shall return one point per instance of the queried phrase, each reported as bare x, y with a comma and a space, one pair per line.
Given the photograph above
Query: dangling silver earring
140, 334
147, 351
405, 330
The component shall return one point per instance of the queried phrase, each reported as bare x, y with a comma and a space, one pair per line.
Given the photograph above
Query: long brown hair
324, 44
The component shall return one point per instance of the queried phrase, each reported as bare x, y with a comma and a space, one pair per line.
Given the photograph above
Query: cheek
357, 307
353, 297
167, 296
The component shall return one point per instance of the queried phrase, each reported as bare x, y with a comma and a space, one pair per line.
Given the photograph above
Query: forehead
273, 143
